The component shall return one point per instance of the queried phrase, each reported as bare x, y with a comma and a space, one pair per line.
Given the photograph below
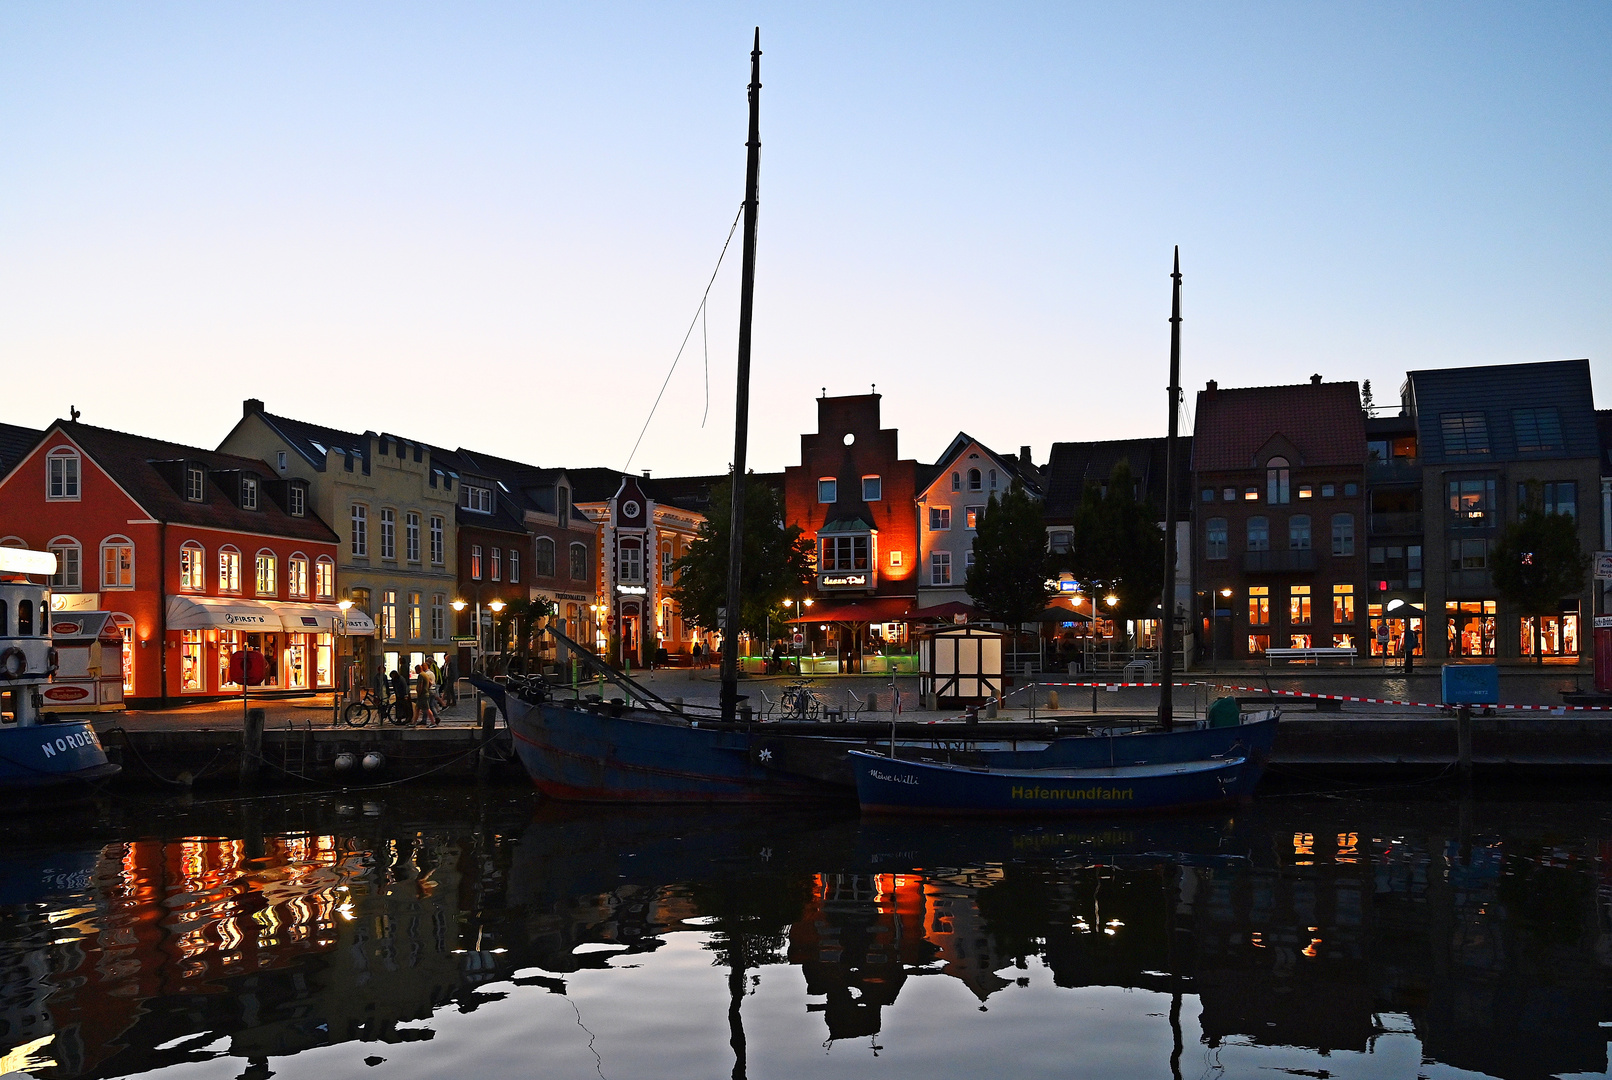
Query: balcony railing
1278, 562
1399, 470
1408, 522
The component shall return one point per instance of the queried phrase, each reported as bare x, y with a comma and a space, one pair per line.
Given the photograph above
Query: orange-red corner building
196, 553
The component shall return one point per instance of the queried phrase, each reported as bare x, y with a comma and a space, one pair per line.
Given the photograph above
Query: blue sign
1470, 684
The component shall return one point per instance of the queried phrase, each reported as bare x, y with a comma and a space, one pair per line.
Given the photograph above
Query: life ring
52, 660
13, 663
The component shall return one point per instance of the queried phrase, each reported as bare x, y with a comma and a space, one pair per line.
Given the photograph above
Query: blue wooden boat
893, 786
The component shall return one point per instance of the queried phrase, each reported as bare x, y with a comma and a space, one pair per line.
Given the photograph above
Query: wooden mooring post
252, 747
1463, 741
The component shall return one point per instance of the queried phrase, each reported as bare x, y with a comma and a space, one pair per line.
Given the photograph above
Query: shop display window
1558, 635
192, 676
1470, 627
229, 643
323, 661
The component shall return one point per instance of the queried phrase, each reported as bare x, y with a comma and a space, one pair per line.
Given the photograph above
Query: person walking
450, 682
378, 687
1411, 640
699, 655
402, 711
422, 692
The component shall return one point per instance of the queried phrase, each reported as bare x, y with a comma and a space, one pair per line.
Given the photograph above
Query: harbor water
1414, 931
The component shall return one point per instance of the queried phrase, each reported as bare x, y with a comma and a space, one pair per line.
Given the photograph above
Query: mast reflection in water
458, 932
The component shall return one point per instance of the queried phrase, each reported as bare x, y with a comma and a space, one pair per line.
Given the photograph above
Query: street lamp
338, 626
494, 605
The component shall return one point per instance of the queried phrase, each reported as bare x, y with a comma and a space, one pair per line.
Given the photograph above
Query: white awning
222, 613
308, 618
359, 624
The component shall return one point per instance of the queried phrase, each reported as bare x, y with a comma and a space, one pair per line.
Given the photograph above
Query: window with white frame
579, 562
1343, 534
475, 562
839, 553
439, 616
968, 563
416, 624
411, 536
872, 489
389, 614
192, 567
957, 481
436, 541
388, 533
827, 489
61, 474
324, 578
296, 576
360, 535
632, 564
267, 574
498, 564
476, 499
514, 566
974, 480
117, 563
940, 568
940, 518
543, 557
195, 483
69, 574
229, 570
297, 500
248, 493
993, 479
666, 561
974, 513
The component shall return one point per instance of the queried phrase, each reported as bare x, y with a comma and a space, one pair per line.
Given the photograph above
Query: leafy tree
777, 561
1009, 579
1118, 547
1537, 561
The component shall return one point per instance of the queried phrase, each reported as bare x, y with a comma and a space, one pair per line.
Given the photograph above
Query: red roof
1323, 422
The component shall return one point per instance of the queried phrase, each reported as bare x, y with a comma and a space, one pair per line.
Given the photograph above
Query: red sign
66, 693
66, 629
248, 668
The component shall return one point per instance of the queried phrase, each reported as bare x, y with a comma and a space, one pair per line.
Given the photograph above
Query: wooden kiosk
960, 665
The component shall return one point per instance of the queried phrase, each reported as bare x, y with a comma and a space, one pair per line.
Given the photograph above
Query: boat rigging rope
699, 317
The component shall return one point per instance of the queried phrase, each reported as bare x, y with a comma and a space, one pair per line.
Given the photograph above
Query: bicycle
799, 703
360, 712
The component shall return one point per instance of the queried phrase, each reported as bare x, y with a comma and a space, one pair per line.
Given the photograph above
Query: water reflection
1292, 937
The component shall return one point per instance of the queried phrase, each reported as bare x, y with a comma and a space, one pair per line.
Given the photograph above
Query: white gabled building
960, 483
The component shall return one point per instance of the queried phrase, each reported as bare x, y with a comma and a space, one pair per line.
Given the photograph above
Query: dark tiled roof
691, 493
1603, 425
1073, 465
1025, 472
132, 461
1495, 392
14, 443
1323, 422
308, 439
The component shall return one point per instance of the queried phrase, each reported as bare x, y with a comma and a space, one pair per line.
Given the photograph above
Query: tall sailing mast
1167, 612
741, 424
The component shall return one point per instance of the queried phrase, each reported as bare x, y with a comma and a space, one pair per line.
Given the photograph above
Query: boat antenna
1167, 621
741, 422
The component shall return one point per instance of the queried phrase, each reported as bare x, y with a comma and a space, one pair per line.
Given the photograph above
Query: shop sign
1603, 622
1603, 566
842, 581
66, 629
235, 618
632, 590
66, 693
463, 639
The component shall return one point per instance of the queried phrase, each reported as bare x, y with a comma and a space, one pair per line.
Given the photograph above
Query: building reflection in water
1304, 930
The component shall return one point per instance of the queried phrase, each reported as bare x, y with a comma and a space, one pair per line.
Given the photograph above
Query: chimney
1315, 380
646, 474
1024, 457
251, 405
1209, 388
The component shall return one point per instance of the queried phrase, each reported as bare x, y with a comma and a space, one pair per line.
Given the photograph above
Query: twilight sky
490, 224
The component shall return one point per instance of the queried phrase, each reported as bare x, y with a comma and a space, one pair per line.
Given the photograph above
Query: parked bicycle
362, 711
799, 703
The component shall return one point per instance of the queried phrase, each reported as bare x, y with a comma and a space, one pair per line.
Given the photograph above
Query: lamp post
808, 601
338, 626
495, 606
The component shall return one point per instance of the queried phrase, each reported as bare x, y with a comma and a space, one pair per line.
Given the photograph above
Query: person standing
698, 655
400, 695
450, 682
422, 693
377, 686
1411, 641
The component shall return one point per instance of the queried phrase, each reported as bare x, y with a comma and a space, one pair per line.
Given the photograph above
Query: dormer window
297, 500
248, 493
476, 499
1277, 480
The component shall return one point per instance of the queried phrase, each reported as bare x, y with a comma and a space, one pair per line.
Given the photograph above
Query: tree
777, 561
1537, 561
1009, 578
1365, 397
1118, 547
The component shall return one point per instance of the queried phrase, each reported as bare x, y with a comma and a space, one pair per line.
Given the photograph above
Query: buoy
374, 760
344, 762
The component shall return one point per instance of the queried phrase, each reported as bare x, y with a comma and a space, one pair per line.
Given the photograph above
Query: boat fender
344, 762
12, 663
52, 660
373, 761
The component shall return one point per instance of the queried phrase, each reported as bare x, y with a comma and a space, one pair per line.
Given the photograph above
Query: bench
1314, 655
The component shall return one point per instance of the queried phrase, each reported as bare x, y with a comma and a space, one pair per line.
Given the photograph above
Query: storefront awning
308, 618
359, 624
948, 612
220, 613
875, 609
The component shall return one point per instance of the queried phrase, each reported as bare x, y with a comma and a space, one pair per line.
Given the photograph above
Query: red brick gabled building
1279, 510
197, 553
856, 497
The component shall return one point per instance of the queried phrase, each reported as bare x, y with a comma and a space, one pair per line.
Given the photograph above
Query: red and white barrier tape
1334, 697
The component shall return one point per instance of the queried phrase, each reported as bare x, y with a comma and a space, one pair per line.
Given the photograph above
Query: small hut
960, 664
